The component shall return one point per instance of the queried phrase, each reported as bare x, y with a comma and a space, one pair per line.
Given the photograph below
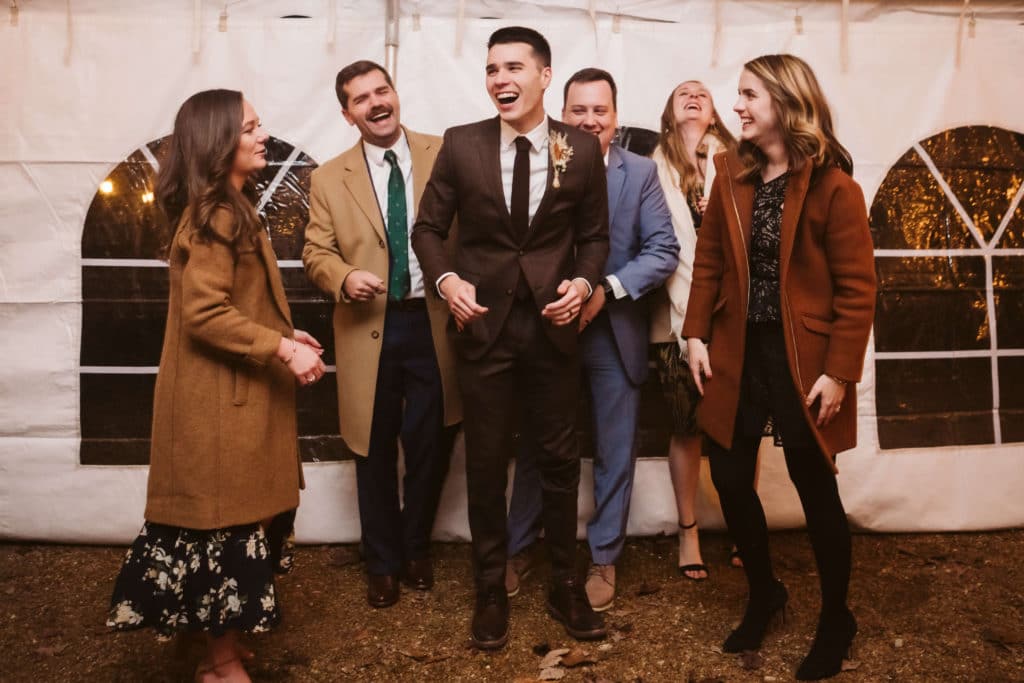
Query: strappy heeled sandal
695, 567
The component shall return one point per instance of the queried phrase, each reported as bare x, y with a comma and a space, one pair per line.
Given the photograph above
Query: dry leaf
849, 665
576, 657
552, 673
553, 657
415, 653
647, 588
604, 647
51, 650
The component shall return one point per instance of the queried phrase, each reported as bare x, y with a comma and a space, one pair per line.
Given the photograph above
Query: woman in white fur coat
691, 134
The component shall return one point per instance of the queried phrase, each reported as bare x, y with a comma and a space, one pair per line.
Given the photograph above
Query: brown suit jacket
826, 283
224, 448
346, 232
567, 238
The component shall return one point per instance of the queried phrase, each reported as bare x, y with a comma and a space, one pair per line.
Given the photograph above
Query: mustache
382, 109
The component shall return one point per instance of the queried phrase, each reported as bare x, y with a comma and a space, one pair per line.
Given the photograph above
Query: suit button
375, 334
509, 292
380, 243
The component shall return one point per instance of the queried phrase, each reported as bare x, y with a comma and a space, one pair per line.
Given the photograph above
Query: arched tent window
124, 304
948, 229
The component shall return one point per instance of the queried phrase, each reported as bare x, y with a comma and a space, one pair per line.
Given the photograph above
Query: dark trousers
768, 388
409, 405
523, 374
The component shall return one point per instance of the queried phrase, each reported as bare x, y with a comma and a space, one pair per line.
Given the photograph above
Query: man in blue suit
614, 339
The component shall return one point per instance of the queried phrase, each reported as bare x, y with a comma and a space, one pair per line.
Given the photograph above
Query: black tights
732, 472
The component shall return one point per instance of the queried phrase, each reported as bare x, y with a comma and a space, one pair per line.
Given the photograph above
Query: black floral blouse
764, 250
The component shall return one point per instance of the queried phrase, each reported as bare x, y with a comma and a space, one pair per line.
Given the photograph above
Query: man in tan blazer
395, 369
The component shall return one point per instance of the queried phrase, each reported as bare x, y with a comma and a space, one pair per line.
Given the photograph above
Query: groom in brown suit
531, 201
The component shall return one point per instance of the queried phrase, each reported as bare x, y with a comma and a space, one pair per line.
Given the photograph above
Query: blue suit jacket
643, 251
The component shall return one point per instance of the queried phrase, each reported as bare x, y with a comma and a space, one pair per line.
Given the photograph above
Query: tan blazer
826, 283
224, 447
345, 233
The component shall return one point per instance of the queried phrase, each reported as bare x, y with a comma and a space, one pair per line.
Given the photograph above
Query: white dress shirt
380, 172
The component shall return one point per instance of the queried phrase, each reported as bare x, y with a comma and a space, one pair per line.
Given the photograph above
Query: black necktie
519, 207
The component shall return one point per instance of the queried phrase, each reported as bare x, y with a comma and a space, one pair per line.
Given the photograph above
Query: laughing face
590, 107
758, 121
691, 101
373, 108
251, 154
516, 81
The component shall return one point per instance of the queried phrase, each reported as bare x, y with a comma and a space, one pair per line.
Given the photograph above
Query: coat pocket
240, 392
818, 325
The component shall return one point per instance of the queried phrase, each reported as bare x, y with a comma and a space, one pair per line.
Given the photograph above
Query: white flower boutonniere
561, 152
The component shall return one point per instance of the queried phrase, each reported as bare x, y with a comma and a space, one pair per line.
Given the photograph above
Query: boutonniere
561, 152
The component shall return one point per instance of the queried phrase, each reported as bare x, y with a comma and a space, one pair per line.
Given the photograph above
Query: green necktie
398, 231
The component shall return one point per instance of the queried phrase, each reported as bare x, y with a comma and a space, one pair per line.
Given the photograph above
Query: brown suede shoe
601, 586
517, 569
419, 574
381, 590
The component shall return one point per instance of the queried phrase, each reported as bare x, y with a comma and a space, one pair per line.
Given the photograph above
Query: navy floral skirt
175, 579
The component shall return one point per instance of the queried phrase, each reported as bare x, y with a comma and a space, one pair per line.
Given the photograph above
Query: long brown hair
802, 111
195, 177
674, 149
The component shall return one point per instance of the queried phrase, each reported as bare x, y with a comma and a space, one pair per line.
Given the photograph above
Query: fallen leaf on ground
415, 653
604, 647
576, 657
849, 665
553, 657
552, 673
51, 650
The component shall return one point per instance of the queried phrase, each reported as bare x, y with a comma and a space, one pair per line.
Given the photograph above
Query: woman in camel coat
224, 472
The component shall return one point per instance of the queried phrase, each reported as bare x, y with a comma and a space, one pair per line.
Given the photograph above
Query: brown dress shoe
490, 618
568, 604
381, 590
601, 586
419, 574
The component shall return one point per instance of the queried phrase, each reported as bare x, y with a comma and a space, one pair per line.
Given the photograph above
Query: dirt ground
944, 607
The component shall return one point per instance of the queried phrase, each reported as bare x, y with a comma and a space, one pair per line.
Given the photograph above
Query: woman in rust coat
777, 324
224, 471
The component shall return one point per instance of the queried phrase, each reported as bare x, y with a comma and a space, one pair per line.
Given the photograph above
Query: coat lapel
356, 177
489, 149
274, 278
422, 164
616, 180
792, 205
739, 202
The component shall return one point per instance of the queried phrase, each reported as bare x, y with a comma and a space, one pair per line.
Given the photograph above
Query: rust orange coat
826, 287
224, 448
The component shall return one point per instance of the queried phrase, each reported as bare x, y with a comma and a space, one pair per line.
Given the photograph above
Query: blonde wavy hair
802, 111
672, 146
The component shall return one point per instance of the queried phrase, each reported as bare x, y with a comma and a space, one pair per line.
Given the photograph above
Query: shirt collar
538, 137
375, 154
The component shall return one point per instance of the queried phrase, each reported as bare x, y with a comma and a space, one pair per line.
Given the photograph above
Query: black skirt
176, 579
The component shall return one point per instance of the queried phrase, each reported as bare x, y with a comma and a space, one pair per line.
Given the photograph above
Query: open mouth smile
506, 97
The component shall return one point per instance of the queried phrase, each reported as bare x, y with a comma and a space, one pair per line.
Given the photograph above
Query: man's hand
461, 296
561, 311
362, 285
592, 307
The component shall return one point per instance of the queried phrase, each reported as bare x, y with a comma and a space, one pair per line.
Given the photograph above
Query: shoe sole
522, 577
595, 634
605, 607
489, 644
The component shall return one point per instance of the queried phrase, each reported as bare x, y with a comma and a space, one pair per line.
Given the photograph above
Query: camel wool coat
224, 443
346, 232
826, 286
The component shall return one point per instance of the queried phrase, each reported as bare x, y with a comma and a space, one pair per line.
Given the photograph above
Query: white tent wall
80, 91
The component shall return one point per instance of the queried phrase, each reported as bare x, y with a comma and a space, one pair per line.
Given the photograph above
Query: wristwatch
609, 292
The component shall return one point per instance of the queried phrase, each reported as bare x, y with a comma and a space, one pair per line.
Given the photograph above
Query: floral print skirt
176, 579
